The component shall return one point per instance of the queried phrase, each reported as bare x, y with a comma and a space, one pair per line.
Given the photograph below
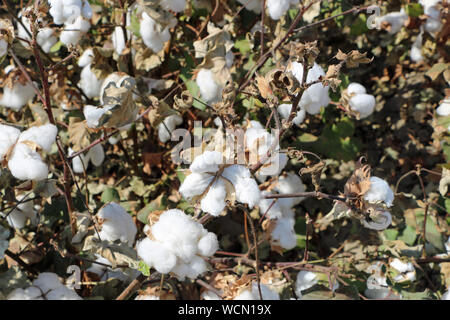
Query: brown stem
132, 287
312, 194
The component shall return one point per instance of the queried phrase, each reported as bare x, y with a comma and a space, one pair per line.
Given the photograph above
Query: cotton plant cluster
46, 286
116, 223
177, 244
23, 212
21, 150
75, 17
17, 94
45, 36
379, 192
211, 181
281, 210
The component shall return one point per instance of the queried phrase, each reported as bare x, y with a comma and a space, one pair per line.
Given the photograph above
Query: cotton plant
116, 224
23, 212
305, 280
258, 141
21, 150
357, 101
75, 15
89, 82
177, 244
17, 91
80, 163
212, 182
316, 96
252, 293
281, 211
168, 125
46, 286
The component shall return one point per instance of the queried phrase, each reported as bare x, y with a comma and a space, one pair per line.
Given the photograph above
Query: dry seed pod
183, 101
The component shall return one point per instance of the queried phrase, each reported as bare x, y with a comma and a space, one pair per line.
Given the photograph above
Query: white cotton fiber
305, 280
379, 191
79, 163
356, 88
97, 155
396, 20
152, 34
416, 49
169, 124
363, 103
93, 115
284, 234
178, 245
118, 40
8, 137
73, 32
253, 293
31, 293
17, 96
209, 89
277, 8
285, 110
117, 224
19, 216
290, 183
246, 188
174, 5
89, 83
26, 164
208, 161
444, 108
46, 39
3, 47
214, 201
44, 135
195, 184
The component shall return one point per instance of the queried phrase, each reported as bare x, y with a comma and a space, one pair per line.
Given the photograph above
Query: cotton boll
208, 245
17, 218
86, 58
63, 293
47, 281
208, 161
209, 89
174, 5
106, 273
253, 293
396, 20
117, 224
169, 124
381, 222
275, 211
8, 137
96, 154
209, 295
443, 110
446, 295
416, 49
305, 280
407, 270
214, 201
229, 58
93, 115
379, 191
195, 184
17, 96
284, 234
285, 110
156, 255
290, 183
152, 35
73, 32
246, 294
44, 136
46, 39
364, 104
89, 83
247, 190
118, 40
26, 164
277, 8
356, 88
195, 267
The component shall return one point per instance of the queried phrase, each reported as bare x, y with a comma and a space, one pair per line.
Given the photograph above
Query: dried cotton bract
177, 244
20, 151
117, 224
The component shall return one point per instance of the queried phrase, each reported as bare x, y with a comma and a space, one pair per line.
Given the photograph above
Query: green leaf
414, 10
144, 268
110, 195
408, 236
391, 234
243, 46
157, 204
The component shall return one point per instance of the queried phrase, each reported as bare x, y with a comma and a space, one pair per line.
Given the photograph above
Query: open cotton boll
169, 124
8, 137
118, 40
152, 34
195, 184
156, 255
17, 96
407, 270
246, 188
284, 234
44, 136
86, 58
63, 11
290, 183
305, 280
208, 161
316, 96
195, 267
117, 224
252, 5
444, 108
19, 216
396, 20
208, 245
31, 293
214, 200
174, 5
26, 164
433, 22
209, 89
253, 293
73, 32
363, 103
379, 191
93, 115
46, 39
89, 83
79, 163
277, 8
104, 272
285, 110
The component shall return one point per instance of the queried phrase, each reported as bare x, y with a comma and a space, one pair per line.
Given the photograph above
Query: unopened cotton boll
167, 126
17, 96
209, 89
316, 96
305, 280
379, 191
174, 5
152, 34
285, 110
117, 224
